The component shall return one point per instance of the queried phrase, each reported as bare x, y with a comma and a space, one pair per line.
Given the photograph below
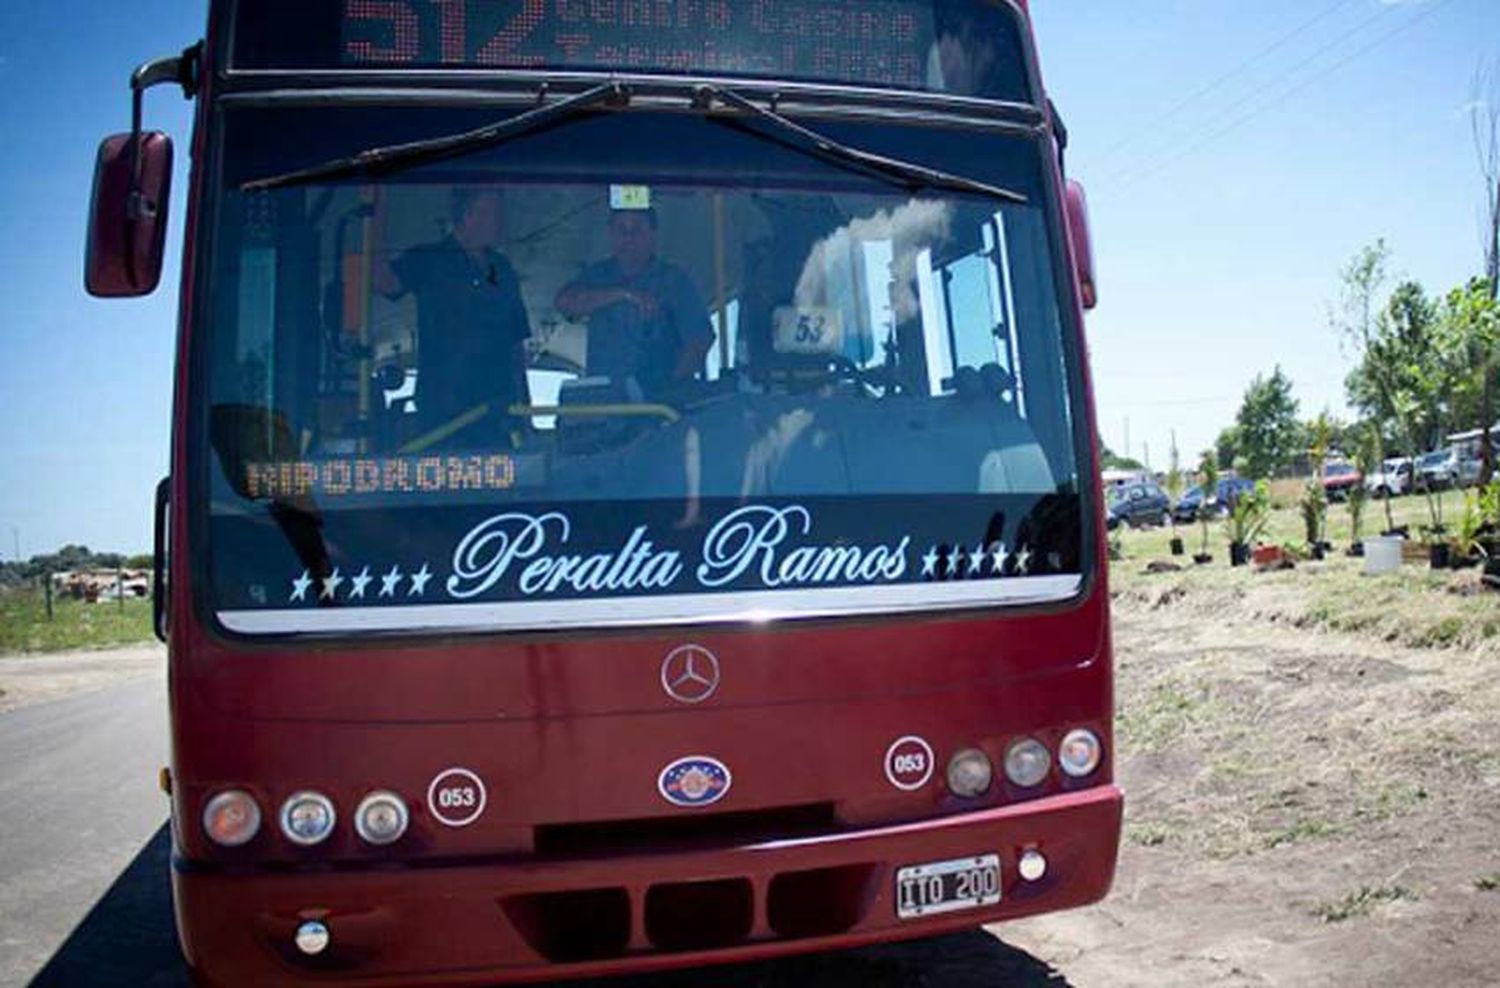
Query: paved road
84, 852
78, 801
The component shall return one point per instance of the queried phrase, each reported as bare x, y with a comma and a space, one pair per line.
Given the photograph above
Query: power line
1275, 46
1205, 141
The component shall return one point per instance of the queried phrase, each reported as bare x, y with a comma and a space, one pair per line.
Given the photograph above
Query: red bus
633, 495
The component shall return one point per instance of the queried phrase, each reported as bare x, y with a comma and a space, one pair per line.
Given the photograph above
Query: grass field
75, 624
1415, 606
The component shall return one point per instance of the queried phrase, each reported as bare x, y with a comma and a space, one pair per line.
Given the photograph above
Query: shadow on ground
127, 939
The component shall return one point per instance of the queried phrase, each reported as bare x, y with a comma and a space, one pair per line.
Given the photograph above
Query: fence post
120, 588
47, 591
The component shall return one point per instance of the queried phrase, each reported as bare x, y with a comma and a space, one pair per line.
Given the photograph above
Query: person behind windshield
647, 322
471, 323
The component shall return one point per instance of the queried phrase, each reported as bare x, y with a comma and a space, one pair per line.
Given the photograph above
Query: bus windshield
595, 376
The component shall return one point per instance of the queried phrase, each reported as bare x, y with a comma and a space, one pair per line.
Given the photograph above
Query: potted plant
1208, 472
1247, 520
1358, 497
1174, 491
1466, 549
1314, 507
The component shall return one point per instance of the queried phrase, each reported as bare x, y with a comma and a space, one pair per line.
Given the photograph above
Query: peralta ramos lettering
757, 540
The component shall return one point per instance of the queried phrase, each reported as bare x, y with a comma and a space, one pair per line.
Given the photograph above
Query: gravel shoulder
30, 679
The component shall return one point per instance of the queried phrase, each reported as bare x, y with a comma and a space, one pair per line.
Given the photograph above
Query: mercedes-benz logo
690, 673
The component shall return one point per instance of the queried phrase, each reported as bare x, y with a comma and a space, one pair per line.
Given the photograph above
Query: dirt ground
1303, 808
28, 679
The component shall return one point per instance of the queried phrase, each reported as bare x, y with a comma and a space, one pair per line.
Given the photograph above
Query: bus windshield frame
1029, 144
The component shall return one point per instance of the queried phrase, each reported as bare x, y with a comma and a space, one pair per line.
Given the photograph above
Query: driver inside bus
647, 323
471, 324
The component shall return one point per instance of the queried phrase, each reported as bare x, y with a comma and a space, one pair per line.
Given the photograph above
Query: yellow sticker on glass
630, 197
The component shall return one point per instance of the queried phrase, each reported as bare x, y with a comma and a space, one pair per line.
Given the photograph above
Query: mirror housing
128, 215
1077, 207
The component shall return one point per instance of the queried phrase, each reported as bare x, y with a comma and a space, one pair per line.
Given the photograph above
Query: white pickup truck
1393, 479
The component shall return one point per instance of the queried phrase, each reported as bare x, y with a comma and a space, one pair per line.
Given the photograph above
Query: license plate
947, 886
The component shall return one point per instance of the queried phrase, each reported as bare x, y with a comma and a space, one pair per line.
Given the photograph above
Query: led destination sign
968, 47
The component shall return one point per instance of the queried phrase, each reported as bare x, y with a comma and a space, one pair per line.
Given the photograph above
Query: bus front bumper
507, 920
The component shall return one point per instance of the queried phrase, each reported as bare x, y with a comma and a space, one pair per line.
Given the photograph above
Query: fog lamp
1079, 752
312, 937
1027, 762
307, 818
1032, 865
231, 818
381, 818
969, 773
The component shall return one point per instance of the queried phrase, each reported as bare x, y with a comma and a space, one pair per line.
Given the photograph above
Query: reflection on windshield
631, 341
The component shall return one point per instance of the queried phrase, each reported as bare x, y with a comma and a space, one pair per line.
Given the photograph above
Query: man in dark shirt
471, 323
647, 322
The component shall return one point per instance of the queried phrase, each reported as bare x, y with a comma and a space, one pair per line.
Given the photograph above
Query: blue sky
1220, 222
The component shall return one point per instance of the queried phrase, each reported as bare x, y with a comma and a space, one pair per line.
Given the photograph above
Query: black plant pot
1239, 554
1203, 558
1317, 551
1177, 546
1439, 554
1357, 549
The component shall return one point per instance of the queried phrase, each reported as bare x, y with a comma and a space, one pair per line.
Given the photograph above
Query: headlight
1079, 752
307, 818
381, 818
969, 773
231, 818
1027, 762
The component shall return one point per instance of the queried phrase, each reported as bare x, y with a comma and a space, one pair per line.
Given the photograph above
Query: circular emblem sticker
908, 763
456, 797
696, 780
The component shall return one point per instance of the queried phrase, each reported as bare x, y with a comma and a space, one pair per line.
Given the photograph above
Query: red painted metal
568, 734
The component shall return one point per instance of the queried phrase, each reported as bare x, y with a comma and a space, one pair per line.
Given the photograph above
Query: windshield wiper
905, 173
395, 157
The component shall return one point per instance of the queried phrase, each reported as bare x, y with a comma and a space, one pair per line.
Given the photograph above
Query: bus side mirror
128, 215
1077, 206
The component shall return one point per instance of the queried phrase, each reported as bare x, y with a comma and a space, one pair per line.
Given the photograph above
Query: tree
1110, 460
1486, 127
1227, 447
1267, 424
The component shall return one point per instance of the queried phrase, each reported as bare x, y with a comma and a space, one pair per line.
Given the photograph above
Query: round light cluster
1027, 762
1079, 753
307, 818
381, 818
231, 818
969, 773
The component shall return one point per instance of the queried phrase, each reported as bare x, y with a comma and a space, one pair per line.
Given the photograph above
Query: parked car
1138, 505
1229, 492
1468, 471
1393, 480
1438, 469
1339, 478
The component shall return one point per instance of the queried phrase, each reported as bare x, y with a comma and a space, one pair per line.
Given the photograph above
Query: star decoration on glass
998, 555
1023, 560
359, 582
419, 582
930, 561
976, 560
331, 584
389, 582
300, 585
